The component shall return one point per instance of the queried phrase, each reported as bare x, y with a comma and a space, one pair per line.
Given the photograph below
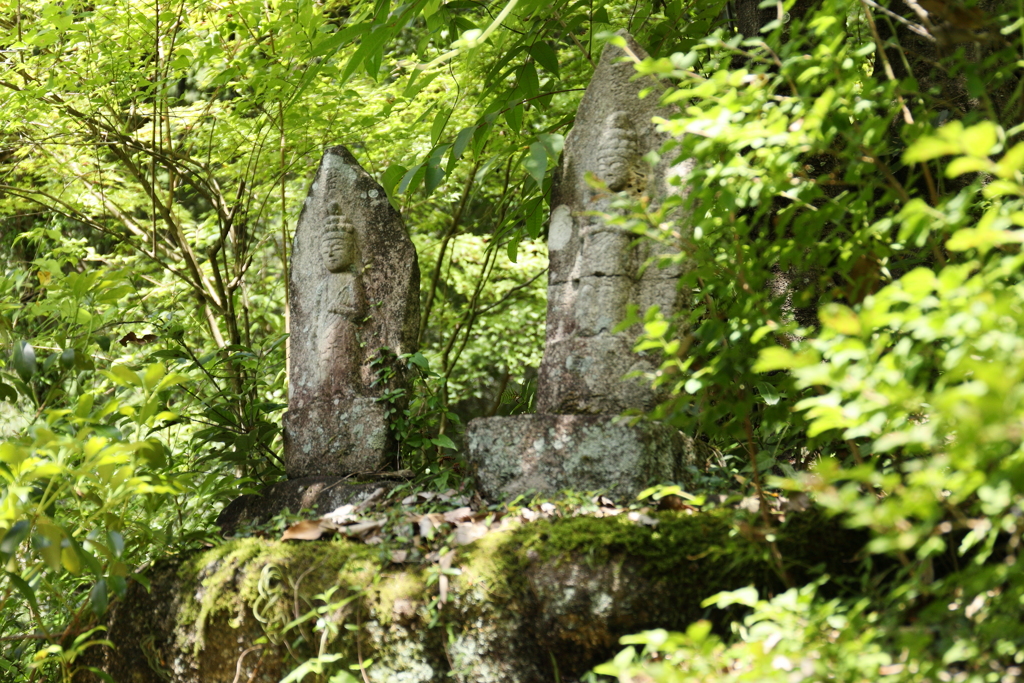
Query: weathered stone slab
595, 269
542, 602
549, 453
354, 288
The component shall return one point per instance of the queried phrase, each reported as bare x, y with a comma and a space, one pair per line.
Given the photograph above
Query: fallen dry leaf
399, 556
445, 563
467, 532
641, 518
306, 530
377, 494
364, 528
341, 514
429, 522
458, 515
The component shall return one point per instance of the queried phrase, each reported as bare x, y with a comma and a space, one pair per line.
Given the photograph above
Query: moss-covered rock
546, 597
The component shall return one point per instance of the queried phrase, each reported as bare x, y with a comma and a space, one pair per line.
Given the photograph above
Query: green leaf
437, 128
13, 538
536, 162
125, 375
514, 118
528, 81
553, 143
371, 43
412, 179
546, 56
776, 358
390, 179
513, 249
961, 165
154, 373
98, 598
840, 318
768, 393
443, 441
26, 591
24, 360
8, 393
462, 141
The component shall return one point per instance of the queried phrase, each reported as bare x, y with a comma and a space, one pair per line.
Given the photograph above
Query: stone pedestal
548, 453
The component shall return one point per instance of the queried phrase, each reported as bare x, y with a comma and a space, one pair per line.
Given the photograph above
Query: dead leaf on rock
403, 610
641, 518
548, 508
306, 530
673, 502
409, 500
458, 515
374, 540
399, 556
363, 529
749, 504
377, 494
340, 515
429, 523
528, 515
467, 532
798, 502
445, 563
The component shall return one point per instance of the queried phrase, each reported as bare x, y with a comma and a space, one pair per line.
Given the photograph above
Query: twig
916, 28
238, 664
885, 62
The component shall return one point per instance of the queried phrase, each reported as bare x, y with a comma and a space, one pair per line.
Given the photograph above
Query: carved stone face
338, 250
338, 243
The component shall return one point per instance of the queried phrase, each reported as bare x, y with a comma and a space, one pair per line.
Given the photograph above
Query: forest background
854, 270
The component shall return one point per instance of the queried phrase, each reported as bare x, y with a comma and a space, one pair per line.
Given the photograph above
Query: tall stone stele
597, 269
353, 291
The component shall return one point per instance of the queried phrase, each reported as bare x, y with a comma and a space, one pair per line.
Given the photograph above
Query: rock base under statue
547, 453
337, 436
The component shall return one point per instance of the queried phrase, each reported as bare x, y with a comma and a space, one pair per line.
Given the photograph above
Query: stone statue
597, 269
354, 306
341, 302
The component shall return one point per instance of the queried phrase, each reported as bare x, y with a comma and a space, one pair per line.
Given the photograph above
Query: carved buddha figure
341, 301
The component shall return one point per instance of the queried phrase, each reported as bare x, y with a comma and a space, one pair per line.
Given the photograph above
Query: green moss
676, 541
255, 574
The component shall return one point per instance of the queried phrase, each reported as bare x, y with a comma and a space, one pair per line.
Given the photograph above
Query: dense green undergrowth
852, 252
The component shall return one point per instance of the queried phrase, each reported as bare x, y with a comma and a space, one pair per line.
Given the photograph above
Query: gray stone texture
597, 269
581, 452
354, 288
322, 494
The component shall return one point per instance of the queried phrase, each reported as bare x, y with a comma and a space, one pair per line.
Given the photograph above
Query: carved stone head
338, 243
